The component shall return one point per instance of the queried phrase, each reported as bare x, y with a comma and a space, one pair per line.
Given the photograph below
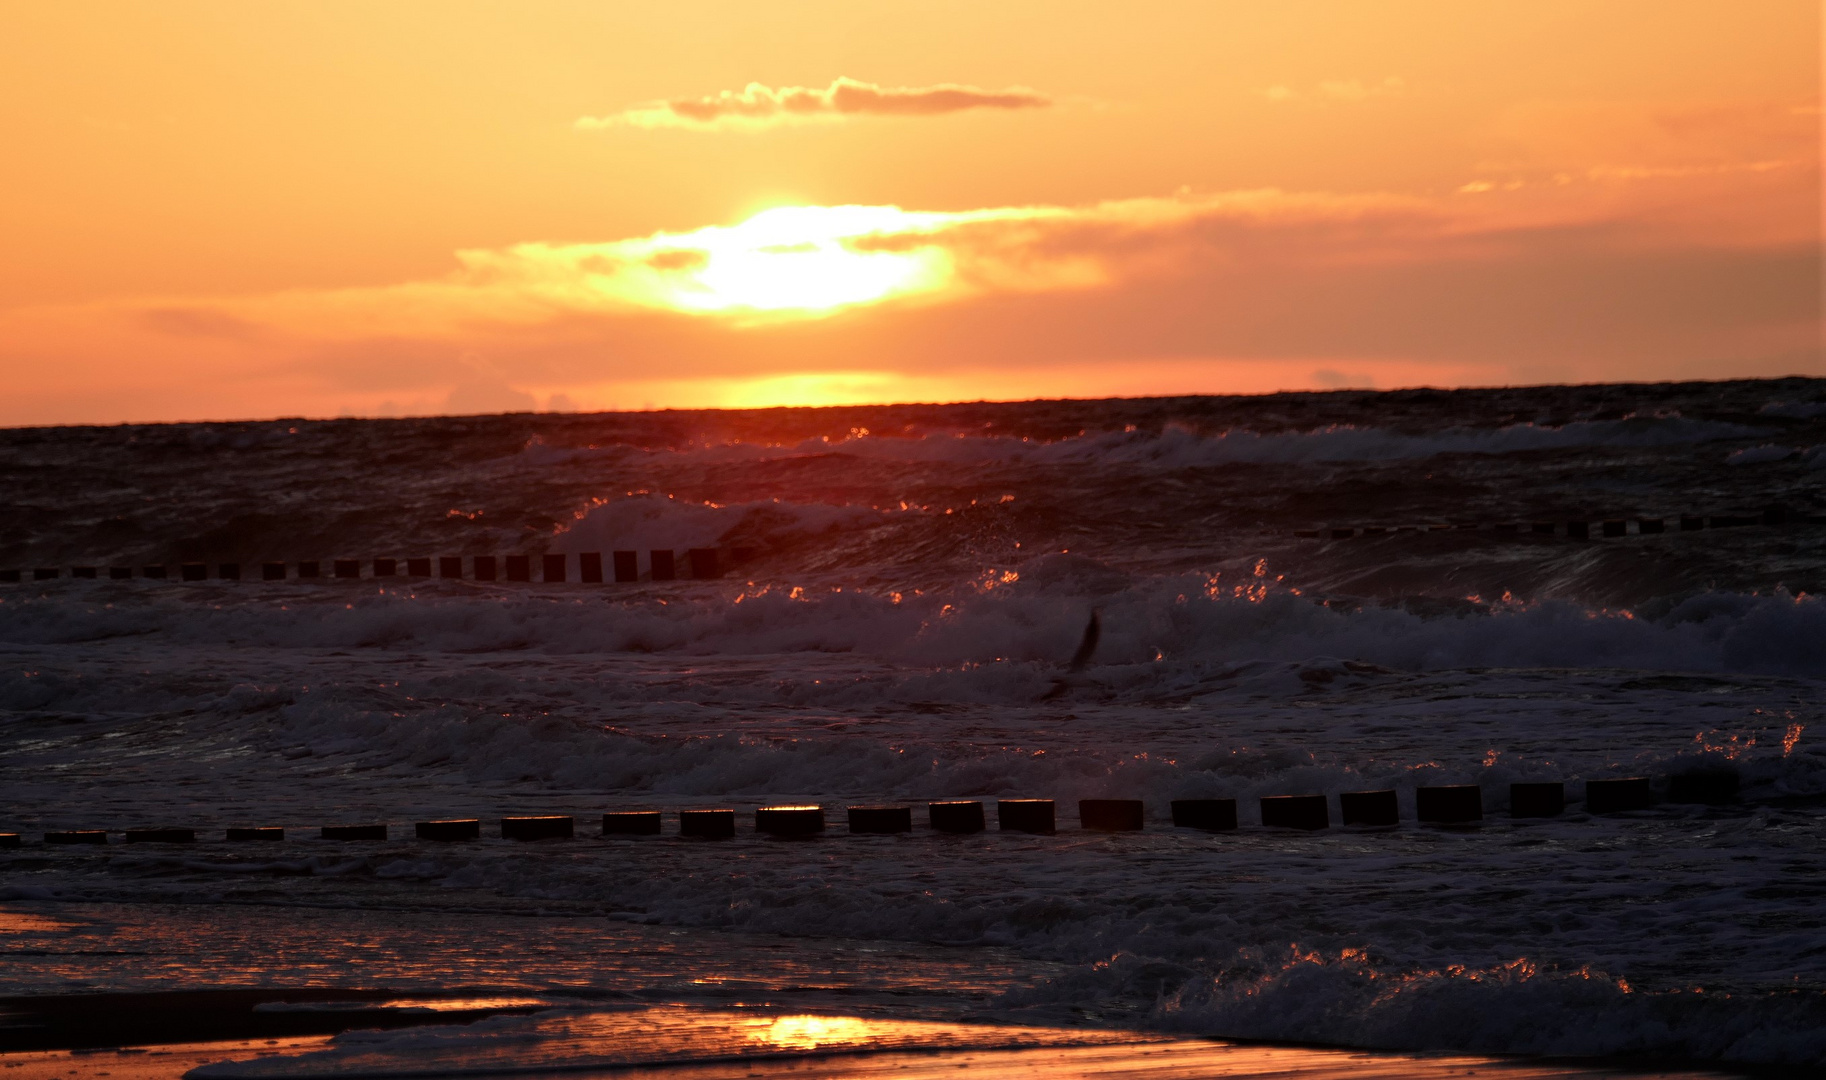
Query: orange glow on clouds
791, 261
1207, 199
756, 106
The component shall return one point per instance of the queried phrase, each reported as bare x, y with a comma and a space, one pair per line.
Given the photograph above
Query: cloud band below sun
805, 264
759, 106
800, 263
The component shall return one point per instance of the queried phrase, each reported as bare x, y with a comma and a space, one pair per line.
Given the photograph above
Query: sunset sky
235, 210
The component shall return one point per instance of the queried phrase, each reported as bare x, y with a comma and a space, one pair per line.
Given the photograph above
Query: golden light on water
812, 1032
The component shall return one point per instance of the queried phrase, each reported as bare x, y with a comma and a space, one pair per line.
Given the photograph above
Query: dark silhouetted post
459, 829
1618, 795
1110, 815
1713, 787
789, 820
589, 567
1376, 808
955, 816
1024, 815
662, 565
631, 823
553, 568
1456, 804
1295, 812
709, 824
627, 565
881, 819
1615, 796
1541, 798
519, 568
703, 563
450, 566
537, 828
1211, 815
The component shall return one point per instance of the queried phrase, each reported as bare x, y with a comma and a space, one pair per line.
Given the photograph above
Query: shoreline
815, 1046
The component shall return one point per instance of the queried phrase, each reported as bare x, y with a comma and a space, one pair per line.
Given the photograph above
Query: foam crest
1177, 447
1513, 1007
1019, 628
647, 522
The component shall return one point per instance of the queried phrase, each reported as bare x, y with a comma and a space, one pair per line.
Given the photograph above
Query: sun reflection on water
813, 1032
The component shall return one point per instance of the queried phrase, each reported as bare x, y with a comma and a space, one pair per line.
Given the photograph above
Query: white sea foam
1033, 619
1178, 447
1796, 410
646, 522
1516, 938
1759, 455
1683, 930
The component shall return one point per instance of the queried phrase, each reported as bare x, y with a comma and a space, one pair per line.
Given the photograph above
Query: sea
1211, 597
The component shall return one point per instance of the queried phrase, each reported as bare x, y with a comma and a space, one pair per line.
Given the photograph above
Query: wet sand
1140, 1058
236, 992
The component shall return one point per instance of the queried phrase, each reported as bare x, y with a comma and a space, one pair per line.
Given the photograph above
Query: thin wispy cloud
759, 106
1337, 90
799, 263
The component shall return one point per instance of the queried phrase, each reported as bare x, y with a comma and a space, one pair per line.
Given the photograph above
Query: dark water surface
919, 578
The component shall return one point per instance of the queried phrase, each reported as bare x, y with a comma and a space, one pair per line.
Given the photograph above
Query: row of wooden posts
1459, 804
623, 566
703, 563
1580, 529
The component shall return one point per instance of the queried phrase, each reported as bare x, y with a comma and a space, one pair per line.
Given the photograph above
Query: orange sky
222, 210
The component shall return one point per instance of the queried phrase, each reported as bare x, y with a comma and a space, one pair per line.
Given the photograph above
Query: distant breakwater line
705, 564
1456, 805
698, 564
1609, 528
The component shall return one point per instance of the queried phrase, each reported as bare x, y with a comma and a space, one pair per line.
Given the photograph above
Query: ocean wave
647, 522
1513, 1007
1759, 455
1175, 446
1021, 621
